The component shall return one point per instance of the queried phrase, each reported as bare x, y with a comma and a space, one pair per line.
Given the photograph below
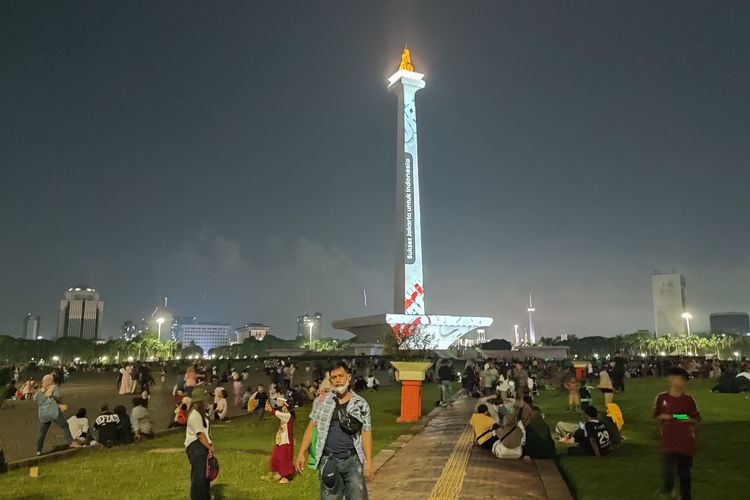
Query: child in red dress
282, 457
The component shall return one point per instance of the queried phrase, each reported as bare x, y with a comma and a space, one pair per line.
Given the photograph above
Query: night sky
239, 158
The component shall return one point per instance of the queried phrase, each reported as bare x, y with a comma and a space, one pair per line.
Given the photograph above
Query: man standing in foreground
678, 414
343, 454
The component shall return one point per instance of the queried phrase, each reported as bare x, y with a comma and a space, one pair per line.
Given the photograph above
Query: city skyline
571, 155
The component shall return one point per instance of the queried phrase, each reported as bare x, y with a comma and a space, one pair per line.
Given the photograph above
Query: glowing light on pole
159, 321
687, 317
515, 334
532, 334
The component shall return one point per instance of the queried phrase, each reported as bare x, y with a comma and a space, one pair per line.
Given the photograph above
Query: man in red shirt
678, 413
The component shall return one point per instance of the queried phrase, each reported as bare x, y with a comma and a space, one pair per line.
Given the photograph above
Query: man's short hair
81, 413
341, 365
482, 409
591, 412
676, 371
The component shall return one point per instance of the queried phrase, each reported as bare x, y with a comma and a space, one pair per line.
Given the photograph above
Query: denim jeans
351, 485
44, 427
446, 391
199, 486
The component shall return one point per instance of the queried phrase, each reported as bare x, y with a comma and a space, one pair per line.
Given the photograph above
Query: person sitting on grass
539, 443
511, 436
106, 426
593, 438
525, 410
372, 383
141, 420
79, 426
483, 426
124, 428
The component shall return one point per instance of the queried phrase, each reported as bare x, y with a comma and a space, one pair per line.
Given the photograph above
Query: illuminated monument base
410, 317
446, 329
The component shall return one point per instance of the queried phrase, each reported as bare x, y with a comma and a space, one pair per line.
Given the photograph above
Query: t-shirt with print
107, 425
598, 431
338, 440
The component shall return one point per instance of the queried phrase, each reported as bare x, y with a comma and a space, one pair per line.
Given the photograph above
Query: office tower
258, 331
668, 291
309, 326
31, 327
730, 322
203, 334
80, 314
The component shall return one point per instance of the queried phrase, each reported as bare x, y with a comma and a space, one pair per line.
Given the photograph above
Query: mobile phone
680, 416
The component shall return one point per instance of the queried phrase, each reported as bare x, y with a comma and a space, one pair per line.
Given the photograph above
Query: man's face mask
341, 390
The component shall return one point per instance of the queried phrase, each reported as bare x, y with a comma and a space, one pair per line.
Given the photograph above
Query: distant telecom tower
532, 334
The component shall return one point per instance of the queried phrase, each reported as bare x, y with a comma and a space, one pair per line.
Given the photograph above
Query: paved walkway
441, 462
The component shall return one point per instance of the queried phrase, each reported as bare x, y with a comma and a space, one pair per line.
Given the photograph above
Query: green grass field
634, 470
243, 448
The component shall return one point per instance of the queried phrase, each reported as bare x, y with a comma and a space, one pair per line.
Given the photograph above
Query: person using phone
678, 413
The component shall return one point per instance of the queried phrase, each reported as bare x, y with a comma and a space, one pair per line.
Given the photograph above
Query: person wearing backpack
51, 410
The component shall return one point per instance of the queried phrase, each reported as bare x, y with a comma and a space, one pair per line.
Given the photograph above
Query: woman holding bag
198, 446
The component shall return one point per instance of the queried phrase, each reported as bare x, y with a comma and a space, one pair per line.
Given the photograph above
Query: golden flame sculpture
406, 61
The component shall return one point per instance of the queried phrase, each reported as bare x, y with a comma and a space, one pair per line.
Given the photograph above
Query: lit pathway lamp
411, 375
687, 317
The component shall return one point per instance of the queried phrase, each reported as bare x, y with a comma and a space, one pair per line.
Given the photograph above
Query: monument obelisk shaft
408, 296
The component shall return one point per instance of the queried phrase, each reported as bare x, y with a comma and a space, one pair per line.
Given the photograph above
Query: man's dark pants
44, 427
684, 464
199, 486
351, 485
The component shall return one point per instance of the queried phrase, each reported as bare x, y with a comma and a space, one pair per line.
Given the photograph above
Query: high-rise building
80, 314
132, 329
531, 340
31, 327
309, 326
205, 335
668, 291
258, 331
730, 322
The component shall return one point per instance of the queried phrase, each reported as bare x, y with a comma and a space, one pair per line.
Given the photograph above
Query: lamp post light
159, 321
515, 334
687, 317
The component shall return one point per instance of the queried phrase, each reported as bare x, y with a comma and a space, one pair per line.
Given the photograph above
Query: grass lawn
634, 470
243, 448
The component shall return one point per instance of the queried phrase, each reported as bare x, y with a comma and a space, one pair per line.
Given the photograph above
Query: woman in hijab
511, 438
539, 442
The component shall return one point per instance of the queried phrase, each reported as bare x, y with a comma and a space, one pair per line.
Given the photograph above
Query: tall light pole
532, 334
310, 327
159, 321
687, 317
515, 334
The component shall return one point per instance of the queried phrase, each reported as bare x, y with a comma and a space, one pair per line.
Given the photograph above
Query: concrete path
442, 462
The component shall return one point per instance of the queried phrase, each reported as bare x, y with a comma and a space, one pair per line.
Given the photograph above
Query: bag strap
484, 434
509, 432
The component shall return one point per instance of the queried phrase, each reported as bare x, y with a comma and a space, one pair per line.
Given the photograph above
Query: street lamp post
159, 321
687, 317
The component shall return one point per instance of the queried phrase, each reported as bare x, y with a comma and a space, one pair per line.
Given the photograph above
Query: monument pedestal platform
446, 328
